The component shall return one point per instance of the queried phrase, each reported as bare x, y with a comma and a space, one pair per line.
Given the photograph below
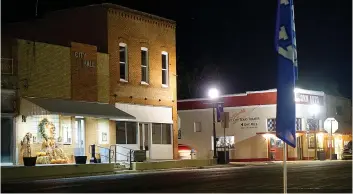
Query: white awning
148, 114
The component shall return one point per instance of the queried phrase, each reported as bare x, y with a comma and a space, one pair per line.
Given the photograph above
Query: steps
119, 166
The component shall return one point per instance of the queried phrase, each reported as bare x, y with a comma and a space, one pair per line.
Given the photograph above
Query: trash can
334, 156
321, 155
192, 154
221, 159
139, 156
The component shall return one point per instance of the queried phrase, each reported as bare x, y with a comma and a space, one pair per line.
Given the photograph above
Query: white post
331, 142
284, 168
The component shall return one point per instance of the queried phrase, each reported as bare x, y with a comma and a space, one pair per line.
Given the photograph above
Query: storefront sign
309, 99
249, 122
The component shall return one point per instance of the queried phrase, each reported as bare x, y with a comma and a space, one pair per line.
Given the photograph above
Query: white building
251, 132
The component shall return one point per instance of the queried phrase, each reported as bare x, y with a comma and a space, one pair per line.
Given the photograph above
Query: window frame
166, 69
161, 133
126, 63
125, 133
145, 82
195, 128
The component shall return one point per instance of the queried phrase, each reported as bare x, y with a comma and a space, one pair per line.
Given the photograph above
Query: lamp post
314, 110
213, 94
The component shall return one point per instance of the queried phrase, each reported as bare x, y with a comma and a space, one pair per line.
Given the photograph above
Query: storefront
154, 126
58, 130
252, 127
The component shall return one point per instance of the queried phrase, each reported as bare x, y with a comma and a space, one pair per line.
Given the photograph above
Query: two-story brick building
74, 65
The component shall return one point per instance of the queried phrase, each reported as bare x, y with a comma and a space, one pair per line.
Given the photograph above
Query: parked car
347, 151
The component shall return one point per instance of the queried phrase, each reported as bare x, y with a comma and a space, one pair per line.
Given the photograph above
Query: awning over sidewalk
41, 106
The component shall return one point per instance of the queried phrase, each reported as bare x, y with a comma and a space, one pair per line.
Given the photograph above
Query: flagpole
285, 168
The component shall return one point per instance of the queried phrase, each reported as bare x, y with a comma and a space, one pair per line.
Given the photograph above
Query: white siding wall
246, 144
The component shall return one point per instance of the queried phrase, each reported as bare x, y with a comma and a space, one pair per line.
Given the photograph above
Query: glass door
80, 137
6, 139
276, 149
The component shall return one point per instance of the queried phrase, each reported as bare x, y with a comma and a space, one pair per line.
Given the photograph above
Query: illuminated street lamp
213, 94
314, 110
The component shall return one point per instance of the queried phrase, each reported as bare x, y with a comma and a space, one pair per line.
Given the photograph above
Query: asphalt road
308, 177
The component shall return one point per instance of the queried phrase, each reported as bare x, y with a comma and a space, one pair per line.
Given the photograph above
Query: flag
287, 72
219, 111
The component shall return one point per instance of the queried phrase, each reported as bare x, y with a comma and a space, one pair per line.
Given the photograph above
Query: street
309, 177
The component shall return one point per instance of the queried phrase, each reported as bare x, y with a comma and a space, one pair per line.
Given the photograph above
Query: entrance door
300, 148
6, 139
276, 149
144, 140
80, 137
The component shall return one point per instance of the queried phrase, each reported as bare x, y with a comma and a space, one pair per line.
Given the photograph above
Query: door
300, 148
80, 137
276, 149
6, 139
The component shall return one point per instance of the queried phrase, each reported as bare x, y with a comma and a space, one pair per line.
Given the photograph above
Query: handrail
129, 155
115, 153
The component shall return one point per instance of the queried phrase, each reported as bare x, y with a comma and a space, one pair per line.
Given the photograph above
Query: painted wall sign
85, 62
249, 122
83, 72
309, 99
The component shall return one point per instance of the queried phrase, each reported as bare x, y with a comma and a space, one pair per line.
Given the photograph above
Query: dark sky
231, 43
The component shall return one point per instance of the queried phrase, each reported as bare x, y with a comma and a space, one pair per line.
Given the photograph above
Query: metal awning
40, 106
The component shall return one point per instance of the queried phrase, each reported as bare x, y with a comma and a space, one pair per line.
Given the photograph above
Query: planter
81, 159
29, 161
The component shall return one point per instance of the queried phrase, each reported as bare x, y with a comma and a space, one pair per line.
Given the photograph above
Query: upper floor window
144, 65
165, 74
124, 72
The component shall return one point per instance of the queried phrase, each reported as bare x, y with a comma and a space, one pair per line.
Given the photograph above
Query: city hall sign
82, 55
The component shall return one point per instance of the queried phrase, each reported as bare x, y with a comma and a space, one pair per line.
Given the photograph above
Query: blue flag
219, 111
287, 72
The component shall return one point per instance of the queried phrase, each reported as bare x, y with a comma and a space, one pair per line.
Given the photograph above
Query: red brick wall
84, 72
142, 30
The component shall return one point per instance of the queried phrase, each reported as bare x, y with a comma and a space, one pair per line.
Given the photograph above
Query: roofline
254, 92
115, 6
103, 5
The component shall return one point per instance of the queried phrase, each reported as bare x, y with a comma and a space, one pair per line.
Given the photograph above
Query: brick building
99, 54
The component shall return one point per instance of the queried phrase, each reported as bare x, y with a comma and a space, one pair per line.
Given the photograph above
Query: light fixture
213, 93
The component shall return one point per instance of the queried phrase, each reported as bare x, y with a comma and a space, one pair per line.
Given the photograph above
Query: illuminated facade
120, 63
251, 132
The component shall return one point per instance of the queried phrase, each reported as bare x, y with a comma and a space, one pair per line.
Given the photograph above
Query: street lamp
214, 94
314, 110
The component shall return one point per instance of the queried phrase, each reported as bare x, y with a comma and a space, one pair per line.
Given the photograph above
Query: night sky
230, 44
